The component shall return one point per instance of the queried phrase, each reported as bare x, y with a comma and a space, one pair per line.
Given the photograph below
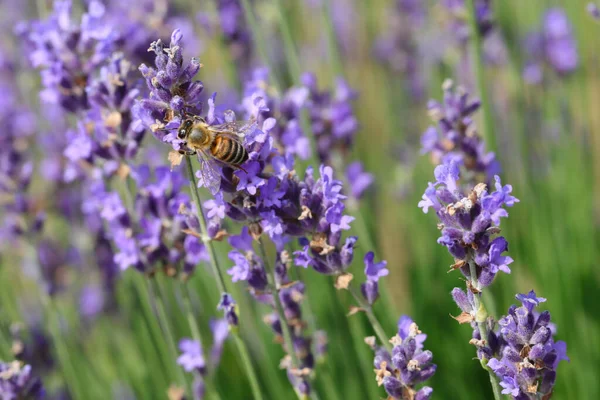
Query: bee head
183, 129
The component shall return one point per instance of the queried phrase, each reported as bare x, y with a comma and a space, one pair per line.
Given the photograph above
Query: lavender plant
102, 271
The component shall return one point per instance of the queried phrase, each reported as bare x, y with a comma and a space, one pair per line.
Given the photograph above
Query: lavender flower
229, 308
333, 121
166, 236
455, 138
173, 90
358, 180
523, 353
552, 46
192, 357
469, 221
407, 366
17, 382
373, 271
460, 25
69, 52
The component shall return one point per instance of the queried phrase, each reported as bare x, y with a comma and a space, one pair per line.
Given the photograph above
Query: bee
215, 144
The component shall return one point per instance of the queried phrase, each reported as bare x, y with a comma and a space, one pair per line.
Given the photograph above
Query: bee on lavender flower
215, 144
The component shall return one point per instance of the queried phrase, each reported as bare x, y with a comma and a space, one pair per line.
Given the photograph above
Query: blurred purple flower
192, 357
17, 382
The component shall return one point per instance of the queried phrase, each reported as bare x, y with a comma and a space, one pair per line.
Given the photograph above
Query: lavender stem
480, 318
285, 328
163, 320
477, 42
214, 263
383, 338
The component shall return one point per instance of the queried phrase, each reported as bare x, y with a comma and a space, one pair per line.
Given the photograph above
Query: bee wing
209, 174
236, 128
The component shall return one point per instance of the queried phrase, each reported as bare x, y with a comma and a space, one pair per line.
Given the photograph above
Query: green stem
332, 43
194, 328
245, 356
480, 319
478, 66
285, 328
383, 338
70, 375
214, 263
163, 320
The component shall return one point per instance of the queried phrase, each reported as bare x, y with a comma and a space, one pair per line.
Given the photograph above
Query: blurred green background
547, 139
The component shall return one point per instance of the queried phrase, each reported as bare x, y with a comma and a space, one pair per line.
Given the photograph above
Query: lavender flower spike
16, 382
527, 355
469, 222
408, 364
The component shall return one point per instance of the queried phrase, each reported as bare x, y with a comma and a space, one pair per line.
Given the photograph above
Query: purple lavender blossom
459, 23
527, 356
17, 382
359, 180
553, 46
69, 52
373, 271
156, 240
469, 220
173, 90
333, 121
192, 357
407, 365
229, 308
455, 137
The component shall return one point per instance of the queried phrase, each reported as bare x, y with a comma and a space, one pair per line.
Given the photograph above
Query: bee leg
239, 167
187, 152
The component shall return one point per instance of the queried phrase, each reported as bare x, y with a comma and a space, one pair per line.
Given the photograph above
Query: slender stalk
163, 320
214, 263
285, 328
332, 43
478, 67
480, 319
383, 338
194, 328
245, 356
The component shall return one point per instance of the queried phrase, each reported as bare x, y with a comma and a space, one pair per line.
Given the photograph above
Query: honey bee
215, 144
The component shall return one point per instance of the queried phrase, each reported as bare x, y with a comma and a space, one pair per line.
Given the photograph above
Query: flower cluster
165, 236
70, 52
109, 137
408, 364
192, 358
173, 90
521, 351
455, 138
553, 47
460, 25
250, 267
17, 382
469, 221
21, 215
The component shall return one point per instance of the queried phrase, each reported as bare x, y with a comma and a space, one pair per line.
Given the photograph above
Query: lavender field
299, 199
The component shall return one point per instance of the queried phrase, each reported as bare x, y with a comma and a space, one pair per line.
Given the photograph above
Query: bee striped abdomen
229, 151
